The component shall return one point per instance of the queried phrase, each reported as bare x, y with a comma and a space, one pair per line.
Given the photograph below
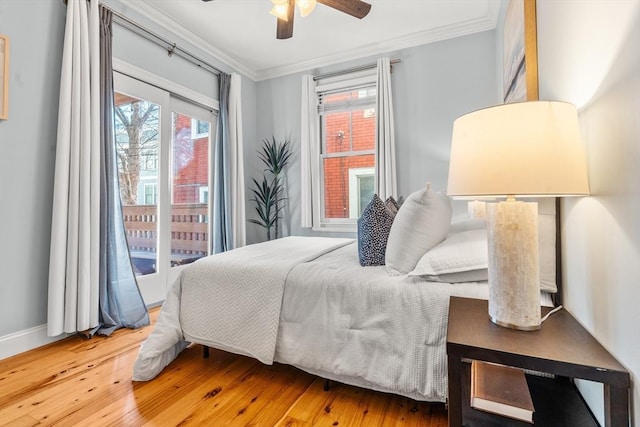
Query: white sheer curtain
236, 159
309, 148
385, 180
75, 234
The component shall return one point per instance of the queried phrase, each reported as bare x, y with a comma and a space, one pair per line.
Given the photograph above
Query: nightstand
562, 347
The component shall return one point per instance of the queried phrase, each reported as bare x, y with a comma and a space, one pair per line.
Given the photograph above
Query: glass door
190, 175
163, 153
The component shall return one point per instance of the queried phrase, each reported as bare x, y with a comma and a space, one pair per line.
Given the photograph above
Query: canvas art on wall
520, 67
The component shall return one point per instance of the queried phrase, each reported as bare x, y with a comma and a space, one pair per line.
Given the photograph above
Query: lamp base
514, 326
514, 271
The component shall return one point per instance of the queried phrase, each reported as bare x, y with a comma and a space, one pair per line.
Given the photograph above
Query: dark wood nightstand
562, 347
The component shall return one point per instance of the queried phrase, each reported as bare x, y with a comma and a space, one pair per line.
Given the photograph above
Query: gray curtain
222, 233
121, 304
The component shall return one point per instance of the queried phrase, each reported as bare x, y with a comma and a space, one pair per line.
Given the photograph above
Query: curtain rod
172, 48
351, 70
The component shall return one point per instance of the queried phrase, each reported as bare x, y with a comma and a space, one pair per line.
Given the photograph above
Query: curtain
229, 223
74, 251
385, 177
79, 262
309, 148
121, 303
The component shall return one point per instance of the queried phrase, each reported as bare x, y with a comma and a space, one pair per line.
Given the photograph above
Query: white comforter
333, 318
363, 327
229, 301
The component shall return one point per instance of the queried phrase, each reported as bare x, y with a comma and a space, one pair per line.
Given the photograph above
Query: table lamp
525, 150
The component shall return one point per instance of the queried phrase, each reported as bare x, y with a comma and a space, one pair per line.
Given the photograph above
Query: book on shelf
500, 390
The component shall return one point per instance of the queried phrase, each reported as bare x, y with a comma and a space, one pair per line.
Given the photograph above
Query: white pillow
422, 222
456, 259
462, 257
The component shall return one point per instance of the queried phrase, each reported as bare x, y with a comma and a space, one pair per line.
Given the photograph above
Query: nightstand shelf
556, 402
562, 347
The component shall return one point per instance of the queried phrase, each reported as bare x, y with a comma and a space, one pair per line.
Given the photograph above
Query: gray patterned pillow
392, 205
373, 231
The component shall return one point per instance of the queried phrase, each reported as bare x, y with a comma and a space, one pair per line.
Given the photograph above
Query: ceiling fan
284, 11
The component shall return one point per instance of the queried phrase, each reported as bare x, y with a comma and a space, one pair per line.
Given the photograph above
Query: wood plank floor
88, 382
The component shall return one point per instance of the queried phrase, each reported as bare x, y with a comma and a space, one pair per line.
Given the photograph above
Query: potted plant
268, 194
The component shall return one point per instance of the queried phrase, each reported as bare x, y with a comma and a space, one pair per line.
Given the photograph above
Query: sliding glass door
163, 148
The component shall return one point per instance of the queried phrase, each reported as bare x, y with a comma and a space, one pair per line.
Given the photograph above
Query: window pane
203, 127
189, 190
349, 130
341, 191
365, 190
136, 135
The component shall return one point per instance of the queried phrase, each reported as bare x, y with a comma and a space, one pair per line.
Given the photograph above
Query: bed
307, 302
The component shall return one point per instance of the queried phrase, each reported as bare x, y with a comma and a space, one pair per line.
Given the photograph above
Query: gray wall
28, 140
27, 155
588, 55
433, 85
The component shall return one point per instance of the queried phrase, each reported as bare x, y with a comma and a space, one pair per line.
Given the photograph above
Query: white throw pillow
457, 259
422, 222
462, 257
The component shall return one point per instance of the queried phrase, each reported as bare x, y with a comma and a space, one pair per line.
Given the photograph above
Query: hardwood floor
88, 382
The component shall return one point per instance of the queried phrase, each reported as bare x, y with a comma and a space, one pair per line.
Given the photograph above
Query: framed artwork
520, 56
4, 77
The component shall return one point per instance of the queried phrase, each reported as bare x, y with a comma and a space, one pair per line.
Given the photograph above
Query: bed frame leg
326, 385
205, 352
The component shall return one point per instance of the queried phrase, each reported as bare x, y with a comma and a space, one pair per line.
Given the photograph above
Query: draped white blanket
229, 301
363, 327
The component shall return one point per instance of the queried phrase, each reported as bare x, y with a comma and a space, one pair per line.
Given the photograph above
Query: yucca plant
268, 195
275, 155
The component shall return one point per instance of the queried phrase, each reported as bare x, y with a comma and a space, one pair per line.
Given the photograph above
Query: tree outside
136, 134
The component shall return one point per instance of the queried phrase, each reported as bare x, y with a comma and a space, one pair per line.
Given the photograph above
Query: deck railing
189, 230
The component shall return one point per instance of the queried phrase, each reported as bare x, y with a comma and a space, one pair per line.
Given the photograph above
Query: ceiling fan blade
356, 8
285, 28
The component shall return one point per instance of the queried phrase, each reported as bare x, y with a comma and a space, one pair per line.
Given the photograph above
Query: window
150, 161
204, 195
347, 153
150, 194
361, 189
199, 129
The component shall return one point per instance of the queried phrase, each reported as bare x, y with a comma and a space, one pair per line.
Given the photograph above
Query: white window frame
154, 287
151, 159
345, 82
154, 193
203, 194
194, 129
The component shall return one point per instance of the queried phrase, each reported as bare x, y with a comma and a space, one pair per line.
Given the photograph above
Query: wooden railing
189, 230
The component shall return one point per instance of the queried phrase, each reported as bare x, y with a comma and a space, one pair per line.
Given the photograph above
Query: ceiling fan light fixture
280, 8
306, 6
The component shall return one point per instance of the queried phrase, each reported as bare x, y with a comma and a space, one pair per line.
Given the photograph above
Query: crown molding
146, 9
484, 23
477, 25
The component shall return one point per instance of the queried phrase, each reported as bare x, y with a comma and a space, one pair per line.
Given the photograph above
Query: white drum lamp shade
528, 149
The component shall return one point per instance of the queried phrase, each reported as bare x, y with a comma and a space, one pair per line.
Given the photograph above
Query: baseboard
26, 340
